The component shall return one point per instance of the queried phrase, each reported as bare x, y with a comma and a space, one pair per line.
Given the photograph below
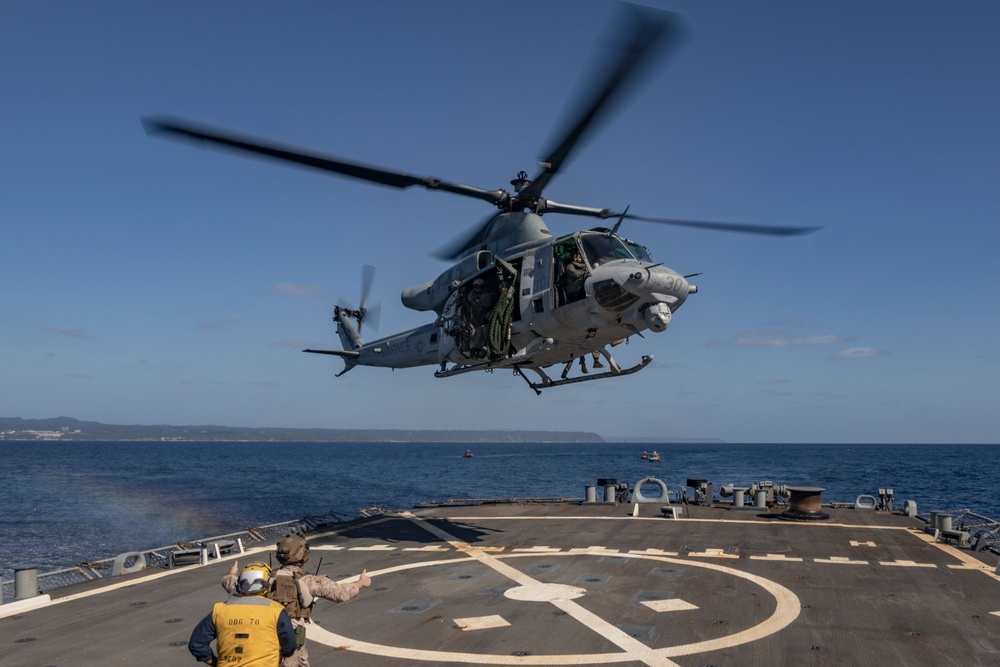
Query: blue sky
146, 281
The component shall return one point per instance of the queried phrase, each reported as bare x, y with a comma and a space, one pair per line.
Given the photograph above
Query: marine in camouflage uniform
299, 591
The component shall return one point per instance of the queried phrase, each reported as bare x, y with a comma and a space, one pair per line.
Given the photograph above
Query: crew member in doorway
574, 275
248, 629
480, 304
297, 591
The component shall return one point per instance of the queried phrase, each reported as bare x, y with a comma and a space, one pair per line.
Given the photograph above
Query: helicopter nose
657, 283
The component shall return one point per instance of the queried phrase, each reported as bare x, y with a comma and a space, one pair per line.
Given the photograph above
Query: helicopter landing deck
570, 583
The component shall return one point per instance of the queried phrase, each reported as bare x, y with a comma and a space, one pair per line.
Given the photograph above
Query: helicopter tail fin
349, 357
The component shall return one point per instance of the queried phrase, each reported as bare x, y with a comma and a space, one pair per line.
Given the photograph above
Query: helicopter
517, 296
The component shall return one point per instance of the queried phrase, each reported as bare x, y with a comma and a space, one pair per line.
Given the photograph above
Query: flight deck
574, 583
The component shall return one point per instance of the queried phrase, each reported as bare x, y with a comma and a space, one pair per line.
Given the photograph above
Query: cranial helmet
293, 550
254, 579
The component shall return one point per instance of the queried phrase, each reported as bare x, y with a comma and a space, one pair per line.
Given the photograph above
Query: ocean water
66, 502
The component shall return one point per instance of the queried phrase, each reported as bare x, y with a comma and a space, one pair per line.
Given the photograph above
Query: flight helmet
255, 579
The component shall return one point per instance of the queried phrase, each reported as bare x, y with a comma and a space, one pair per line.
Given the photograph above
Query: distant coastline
69, 429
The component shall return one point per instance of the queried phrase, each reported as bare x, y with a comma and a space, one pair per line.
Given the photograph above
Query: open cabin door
476, 321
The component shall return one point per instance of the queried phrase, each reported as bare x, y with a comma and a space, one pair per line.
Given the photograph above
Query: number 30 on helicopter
517, 297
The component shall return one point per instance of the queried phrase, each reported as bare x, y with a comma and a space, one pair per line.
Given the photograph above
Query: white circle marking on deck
786, 611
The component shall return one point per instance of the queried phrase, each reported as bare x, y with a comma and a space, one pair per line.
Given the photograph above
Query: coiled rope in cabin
498, 344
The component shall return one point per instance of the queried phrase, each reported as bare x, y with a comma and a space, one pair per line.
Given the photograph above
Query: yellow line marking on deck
841, 560
778, 557
855, 543
652, 552
970, 562
712, 553
374, 547
538, 550
905, 563
432, 547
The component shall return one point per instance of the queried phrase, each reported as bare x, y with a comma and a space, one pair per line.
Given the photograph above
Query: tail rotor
363, 313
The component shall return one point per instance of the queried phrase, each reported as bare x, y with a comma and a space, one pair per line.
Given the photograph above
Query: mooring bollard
590, 495
25, 582
609, 494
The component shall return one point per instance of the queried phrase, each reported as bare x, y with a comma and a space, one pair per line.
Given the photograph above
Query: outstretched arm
325, 587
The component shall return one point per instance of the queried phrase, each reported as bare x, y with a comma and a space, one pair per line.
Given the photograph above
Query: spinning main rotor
644, 36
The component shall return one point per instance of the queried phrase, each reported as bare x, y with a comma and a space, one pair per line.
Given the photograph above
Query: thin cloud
780, 339
209, 325
72, 332
309, 291
792, 321
775, 393
859, 353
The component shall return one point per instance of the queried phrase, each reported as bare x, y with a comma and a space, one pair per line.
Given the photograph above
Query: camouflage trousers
298, 659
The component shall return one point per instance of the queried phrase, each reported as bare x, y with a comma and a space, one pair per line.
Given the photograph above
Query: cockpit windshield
639, 251
603, 248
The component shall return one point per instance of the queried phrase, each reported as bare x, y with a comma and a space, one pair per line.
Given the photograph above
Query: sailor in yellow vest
298, 591
249, 630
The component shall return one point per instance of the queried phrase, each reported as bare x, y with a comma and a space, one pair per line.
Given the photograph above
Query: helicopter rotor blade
368, 315
457, 247
367, 278
648, 32
372, 317
767, 230
181, 129
604, 214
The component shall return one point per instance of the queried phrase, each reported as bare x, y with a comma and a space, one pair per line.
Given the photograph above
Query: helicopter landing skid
548, 383
541, 345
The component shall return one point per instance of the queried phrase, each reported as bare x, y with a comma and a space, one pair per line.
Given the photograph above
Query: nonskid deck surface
557, 584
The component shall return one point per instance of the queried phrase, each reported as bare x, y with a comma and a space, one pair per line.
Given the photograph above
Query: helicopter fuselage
563, 298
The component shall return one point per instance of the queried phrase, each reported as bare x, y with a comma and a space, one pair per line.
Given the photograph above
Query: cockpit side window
602, 248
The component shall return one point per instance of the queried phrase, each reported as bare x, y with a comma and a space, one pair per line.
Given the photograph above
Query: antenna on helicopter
614, 230
520, 181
